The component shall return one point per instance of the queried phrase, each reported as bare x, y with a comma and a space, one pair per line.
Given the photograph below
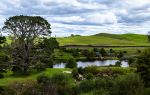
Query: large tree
25, 31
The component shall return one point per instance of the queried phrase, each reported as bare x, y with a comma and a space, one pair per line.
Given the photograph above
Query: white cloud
84, 17
101, 18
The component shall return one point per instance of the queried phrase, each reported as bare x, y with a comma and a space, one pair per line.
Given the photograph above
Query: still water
95, 63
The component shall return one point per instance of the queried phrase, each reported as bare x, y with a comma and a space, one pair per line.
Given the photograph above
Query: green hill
106, 39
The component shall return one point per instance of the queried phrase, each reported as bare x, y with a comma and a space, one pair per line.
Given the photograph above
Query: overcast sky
84, 17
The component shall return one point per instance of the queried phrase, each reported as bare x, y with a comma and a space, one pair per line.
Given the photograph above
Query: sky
84, 17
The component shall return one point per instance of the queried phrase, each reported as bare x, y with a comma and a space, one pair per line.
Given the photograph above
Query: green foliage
60, 83
24, 31
42, 79
146, 91
86, 86
118, 63
91, 69
71, 63
130, 84
103, 52
39, 66
120, 55
2, 40
75, 73
143, 67
89, 76
48, 45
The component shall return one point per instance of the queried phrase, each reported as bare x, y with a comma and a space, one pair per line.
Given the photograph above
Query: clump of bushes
71, 63
118, 63
130, 84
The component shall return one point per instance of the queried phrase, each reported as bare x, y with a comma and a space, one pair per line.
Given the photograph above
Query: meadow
105, 39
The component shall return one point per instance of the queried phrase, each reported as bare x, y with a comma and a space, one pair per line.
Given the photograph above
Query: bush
131, 60
143, 66
89, 76
104, 83
146, 91
42, 79
130, 84
120, 55
75, 73
86, 86
40, 66
118, 63
61, 79
17, 88
103, 52
63, 84
1, 75
81, 70
97, 92
71, 63
91, 69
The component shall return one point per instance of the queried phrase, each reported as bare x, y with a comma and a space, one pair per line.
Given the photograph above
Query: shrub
71, 63
1, 75
75, 73
42, 79
17, 88
60, 79
97, 92
146, 91
104, 83
130, 84
120, 55
131, 60
40, 66
81, 70
89, 76
103, 52
118, 63
63, 84
92, 69
143, 66
86, 86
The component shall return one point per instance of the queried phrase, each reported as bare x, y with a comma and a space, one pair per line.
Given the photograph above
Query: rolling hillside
106, 40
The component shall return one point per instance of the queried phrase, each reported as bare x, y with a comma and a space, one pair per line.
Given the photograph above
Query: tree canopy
25, 31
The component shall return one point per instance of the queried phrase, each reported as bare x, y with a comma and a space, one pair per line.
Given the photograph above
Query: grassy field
9, 78
106, 39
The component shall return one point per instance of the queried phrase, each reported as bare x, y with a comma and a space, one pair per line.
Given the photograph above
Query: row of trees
95, 52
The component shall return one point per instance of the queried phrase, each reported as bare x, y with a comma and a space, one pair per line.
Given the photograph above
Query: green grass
106, 39
9, 78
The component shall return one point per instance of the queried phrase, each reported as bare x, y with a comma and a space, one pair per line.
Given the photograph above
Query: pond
95, 63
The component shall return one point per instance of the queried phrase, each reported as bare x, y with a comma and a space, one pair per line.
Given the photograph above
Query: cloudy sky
84, 17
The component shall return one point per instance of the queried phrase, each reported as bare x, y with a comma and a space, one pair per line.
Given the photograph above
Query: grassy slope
106, 39
49, 72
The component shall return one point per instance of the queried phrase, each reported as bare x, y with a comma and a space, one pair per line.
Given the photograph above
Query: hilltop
106, 39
